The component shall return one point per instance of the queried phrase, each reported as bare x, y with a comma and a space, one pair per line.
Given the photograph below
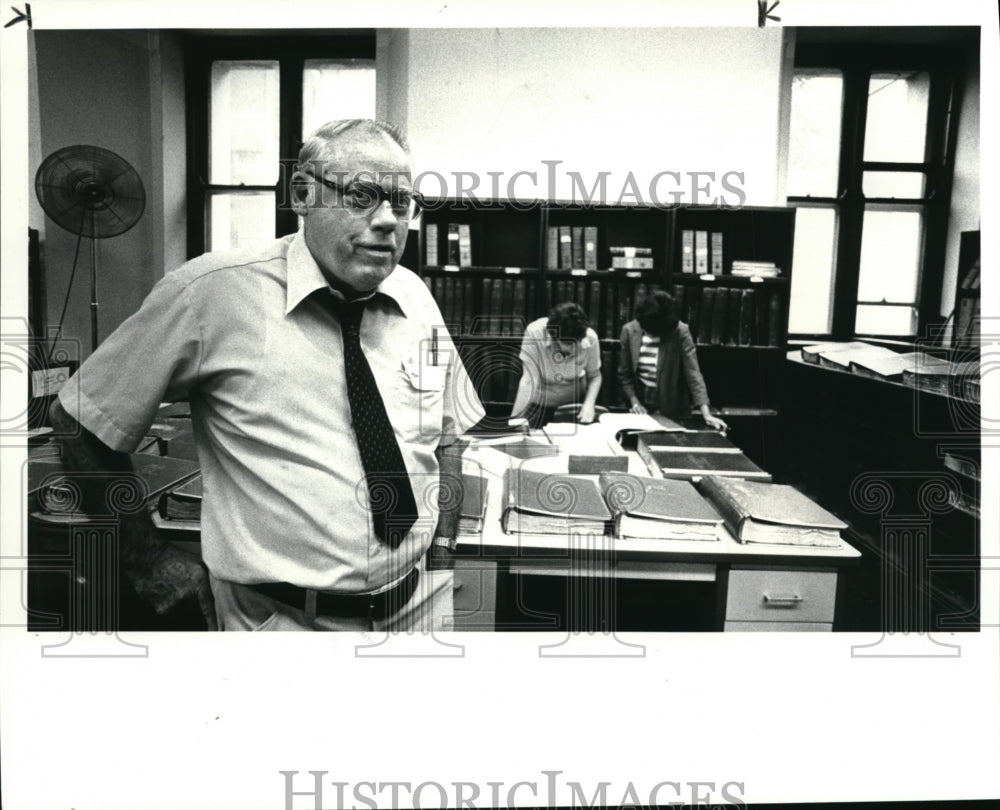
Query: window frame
944, 65
291, 52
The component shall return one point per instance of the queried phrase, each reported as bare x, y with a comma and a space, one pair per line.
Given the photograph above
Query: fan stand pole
93, 290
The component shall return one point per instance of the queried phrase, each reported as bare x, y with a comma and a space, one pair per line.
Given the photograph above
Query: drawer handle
782, 601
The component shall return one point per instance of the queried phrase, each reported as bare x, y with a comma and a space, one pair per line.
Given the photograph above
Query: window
871, 154
251, 101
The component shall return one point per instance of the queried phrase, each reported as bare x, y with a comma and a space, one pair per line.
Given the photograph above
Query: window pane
814, 139
878, 320
896, 127
240, 219
332, 89
890, 256
244, 123
812, 282
894, 184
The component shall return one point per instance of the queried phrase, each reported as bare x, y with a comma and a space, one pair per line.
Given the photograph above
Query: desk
756, 586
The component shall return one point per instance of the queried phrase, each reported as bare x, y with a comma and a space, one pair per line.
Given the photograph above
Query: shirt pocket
420, 385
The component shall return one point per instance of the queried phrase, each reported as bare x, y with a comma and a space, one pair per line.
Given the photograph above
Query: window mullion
850, 201
290, 137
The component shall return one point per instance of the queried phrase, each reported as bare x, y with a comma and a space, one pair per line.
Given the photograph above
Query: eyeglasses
362, 198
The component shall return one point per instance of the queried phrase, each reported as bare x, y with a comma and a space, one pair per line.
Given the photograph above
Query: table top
490, 463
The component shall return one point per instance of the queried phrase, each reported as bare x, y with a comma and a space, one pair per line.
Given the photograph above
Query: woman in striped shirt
658, 365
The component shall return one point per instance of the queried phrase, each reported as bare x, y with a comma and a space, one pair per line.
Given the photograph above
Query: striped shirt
647, 360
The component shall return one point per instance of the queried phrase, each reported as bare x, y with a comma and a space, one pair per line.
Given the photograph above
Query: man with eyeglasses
307, 363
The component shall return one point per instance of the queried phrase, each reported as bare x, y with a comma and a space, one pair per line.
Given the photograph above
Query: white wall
123, 91
616, 100
966, 184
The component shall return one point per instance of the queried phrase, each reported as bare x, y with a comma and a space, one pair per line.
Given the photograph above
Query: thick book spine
593, 307
732, 514
706, 315
565, 247
715, 264
687, 251
563, 292
746, 318
577, 233
454, 256
652, 464
485, 323
506, 309
590, 247
520, 307
552, 248
449, 300
611, 328
464, 245
468, 305
625, 305
733, 323
720, 311
431, 244
701, 252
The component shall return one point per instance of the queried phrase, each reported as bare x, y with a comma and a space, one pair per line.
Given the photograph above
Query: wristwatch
449, 543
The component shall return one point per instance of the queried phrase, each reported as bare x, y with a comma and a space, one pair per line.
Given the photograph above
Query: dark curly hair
657, 314
567, 322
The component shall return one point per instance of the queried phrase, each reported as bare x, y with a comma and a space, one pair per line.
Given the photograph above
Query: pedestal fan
92, 192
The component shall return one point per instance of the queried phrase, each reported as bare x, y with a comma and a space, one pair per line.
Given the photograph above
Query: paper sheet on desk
479, 458
593, 439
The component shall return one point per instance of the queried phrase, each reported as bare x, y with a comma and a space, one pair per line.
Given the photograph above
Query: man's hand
172, 576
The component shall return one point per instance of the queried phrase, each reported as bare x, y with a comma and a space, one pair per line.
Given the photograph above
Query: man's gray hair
323, 140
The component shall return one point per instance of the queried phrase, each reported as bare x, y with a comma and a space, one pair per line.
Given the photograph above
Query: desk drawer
478, 579
778, 627
781, 596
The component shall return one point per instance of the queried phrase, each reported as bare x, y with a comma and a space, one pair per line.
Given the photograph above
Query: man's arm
449, 502
161, 573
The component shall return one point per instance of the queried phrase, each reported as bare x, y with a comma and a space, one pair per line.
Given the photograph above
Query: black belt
378, 606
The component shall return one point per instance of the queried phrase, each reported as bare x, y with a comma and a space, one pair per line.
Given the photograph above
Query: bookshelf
482, 263
494, 266
731, 273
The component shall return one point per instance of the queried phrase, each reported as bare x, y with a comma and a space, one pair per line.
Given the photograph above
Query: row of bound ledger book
916, 369
698, 481
636, 507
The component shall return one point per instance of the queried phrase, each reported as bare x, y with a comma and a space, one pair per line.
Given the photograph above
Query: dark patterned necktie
390, 495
